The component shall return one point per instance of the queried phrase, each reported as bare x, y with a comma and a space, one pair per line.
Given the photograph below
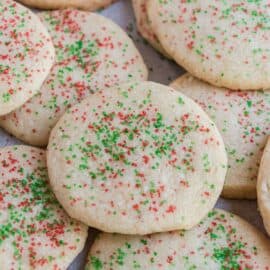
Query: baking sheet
163, 71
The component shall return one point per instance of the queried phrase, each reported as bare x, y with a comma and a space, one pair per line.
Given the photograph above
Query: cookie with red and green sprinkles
26, 55
243, 119
225, 43
125, 161
91, 53
263, 187
35, 231
62, 4
221, 241
144, 25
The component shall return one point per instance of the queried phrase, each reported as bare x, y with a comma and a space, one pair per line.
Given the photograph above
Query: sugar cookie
125, 161
35, 231
244, 123
223, 42
62, 4
263, 187
144, 25
221, 241
26, 55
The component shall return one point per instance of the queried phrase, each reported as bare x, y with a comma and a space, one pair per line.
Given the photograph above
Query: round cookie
144, 25
125, 161
221, 241
92, 53
35, 231
62, 4
26, 55
263, 187
223, 42
243, 121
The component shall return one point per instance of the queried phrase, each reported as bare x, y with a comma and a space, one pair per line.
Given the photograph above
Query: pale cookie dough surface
221, 241
144, 25
223, 42
243, 119
92, 53
263, 187
26, 55
62, 4
125, 161
35, 231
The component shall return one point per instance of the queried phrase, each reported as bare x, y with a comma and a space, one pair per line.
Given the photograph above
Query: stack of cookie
143, 162
87, 59
142, 158
224, 47
49, 62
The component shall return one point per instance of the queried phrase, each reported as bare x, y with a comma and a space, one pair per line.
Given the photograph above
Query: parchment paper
163, 71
